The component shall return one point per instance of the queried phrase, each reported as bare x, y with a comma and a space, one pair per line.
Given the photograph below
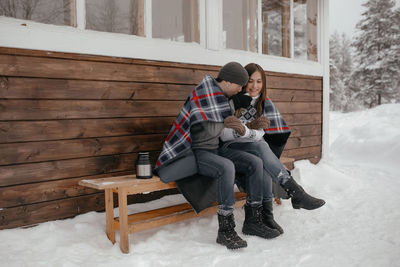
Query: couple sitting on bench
222, 132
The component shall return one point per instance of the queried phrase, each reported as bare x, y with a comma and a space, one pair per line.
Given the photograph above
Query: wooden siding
66, 117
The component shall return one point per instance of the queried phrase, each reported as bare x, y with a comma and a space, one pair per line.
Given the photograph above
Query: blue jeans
222, 164
251, 167
209, 163
272, 166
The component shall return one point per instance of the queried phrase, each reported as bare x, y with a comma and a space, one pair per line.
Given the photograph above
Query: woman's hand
235, 124
259, 123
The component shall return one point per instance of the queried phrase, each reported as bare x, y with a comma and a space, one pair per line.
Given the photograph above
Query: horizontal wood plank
41, 67
298, 107
306, 130
313, 152
291, 75
52, 210
61, 169
305, 141
78, 148
166, 216
87, 57
302, 118
281, 95
26, 194
85, 109
38, 88
65, 208
39, 192
281, 82
23, 131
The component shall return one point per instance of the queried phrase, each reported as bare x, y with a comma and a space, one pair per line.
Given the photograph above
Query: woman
246, 131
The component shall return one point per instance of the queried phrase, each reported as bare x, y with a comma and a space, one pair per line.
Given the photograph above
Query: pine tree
374, 44
396, 54
340, 71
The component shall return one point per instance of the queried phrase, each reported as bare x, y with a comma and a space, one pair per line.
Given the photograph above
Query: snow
359, 225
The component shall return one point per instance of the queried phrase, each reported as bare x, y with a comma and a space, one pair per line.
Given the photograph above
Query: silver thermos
143, 166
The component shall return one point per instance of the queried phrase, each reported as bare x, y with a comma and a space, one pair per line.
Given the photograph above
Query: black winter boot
300, 199
227, 235
253, 224
268, 217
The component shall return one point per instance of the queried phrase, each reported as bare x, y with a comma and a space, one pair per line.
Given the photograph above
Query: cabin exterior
87, 84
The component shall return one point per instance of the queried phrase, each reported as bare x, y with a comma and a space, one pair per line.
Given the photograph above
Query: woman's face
254, 85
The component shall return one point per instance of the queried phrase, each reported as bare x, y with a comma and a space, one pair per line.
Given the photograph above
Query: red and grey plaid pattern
277, 123
206, 103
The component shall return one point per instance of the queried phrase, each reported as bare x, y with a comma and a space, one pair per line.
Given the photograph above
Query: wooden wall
67, 117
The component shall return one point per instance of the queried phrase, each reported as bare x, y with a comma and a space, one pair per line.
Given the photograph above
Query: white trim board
38, 36
324, 22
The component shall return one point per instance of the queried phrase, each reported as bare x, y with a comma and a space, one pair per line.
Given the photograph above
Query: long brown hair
251, 68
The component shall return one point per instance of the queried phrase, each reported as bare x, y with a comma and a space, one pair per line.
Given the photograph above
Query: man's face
232, 89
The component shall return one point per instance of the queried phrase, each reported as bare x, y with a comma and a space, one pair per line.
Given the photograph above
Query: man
198, 128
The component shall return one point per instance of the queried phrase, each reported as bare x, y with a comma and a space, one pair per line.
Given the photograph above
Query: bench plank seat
136, 186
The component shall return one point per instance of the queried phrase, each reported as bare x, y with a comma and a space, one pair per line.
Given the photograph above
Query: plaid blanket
277, 123
206, 103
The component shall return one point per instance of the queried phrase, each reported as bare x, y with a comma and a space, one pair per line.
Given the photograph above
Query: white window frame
148, 22
210, 52
80, 14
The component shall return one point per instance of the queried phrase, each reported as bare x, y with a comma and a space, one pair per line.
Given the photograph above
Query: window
58, 12
176, 20
122, 16
240, 25
288, 27
276, 27
282, 28
305, 29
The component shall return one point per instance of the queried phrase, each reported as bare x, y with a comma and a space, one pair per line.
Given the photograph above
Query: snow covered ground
359, 225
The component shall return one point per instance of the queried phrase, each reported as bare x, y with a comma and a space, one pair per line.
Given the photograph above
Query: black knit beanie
234, 72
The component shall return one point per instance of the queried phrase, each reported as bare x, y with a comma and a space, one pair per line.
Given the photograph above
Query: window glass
176, 20
122, 16
240, 25
59, 12
305, 29
276, 27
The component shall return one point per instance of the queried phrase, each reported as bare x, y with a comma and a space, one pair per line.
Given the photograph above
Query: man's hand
235, 124
259, 123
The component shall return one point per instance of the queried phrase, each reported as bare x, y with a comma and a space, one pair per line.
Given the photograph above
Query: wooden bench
130, 185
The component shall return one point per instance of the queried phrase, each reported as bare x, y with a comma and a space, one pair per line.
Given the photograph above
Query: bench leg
123, 220
110, 215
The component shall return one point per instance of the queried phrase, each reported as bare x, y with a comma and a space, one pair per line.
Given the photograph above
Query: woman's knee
262, 146
255, 163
